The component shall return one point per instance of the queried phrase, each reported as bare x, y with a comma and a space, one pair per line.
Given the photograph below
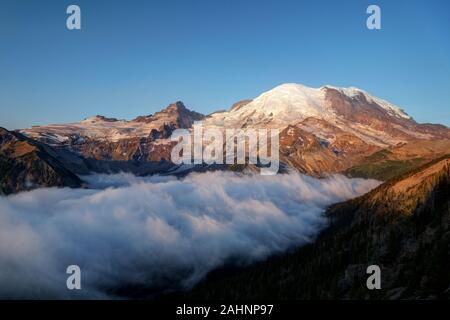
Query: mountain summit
322, 130
176, 114
295, 102
101, 128
352, 110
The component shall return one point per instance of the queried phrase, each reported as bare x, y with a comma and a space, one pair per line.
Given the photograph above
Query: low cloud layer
156, 232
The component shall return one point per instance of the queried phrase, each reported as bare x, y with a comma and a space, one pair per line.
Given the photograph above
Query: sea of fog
156, 232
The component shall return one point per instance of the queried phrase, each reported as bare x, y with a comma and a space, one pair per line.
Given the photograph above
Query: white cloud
156, 231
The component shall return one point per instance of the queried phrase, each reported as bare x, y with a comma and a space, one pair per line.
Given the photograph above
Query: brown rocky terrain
316, 147
176, 115
142, 139
26, 164
322, 131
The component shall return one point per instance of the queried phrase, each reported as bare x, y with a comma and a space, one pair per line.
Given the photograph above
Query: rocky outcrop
144, 139
322, 130
26, 164
176, 114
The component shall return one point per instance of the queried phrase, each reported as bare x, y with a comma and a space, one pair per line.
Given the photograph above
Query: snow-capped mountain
295, 102
352, 110
326, 129
144, 139
101, 128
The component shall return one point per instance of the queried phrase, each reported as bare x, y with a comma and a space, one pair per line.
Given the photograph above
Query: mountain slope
403, 226
26, 164
393, 161
143, 139
351, 110
322, 130
100, 128
328, 129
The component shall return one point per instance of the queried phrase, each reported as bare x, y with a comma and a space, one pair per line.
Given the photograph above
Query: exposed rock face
351, 110
144, 139
26, 164
316, 147
403, 226
337, 129
131, 149
304, 151
360, 109
236, 106
176, 114
323, 130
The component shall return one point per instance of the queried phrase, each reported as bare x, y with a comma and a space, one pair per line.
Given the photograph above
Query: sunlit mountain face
322, 130
246, 155
105, 185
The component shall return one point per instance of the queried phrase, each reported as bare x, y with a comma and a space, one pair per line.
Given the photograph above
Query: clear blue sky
135, 57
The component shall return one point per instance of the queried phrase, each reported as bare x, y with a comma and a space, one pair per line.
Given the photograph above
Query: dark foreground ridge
403, 226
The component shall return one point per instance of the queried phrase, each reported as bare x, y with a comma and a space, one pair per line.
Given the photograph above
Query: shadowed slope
403, 226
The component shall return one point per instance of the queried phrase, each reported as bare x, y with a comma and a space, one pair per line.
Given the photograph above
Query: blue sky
135, 57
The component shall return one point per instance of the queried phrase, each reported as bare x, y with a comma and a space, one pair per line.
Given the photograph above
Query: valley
329, 138
403, 226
